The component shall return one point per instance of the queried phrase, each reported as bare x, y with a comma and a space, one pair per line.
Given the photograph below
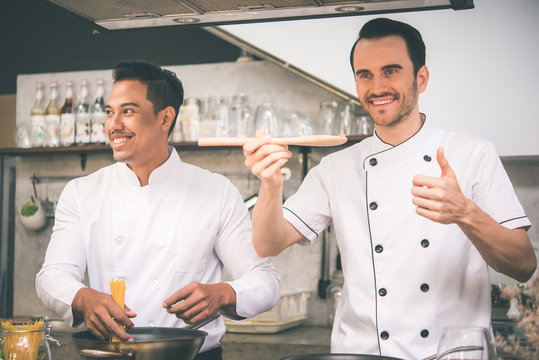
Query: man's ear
422, 79
166, 116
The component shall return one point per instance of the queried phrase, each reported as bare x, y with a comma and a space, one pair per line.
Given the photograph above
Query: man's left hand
439, 199
196, 302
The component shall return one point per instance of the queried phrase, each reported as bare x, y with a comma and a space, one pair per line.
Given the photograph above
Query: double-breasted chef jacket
406, 277
183, 227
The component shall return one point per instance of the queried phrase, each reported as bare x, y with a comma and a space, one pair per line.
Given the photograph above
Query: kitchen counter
300, 340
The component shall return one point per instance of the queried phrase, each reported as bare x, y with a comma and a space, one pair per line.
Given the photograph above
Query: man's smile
119, 139
382, 102
382, 99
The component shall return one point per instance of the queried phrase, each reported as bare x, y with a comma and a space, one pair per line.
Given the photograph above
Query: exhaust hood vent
128, 14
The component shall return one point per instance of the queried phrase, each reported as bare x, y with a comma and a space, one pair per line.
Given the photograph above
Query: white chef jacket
406, 277
182, 227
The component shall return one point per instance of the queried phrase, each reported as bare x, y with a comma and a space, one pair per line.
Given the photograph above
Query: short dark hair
382, 27
164, 87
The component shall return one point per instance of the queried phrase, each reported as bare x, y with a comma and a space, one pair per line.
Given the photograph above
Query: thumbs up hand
439, 199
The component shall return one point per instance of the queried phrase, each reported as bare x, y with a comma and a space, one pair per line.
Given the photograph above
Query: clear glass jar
27, 344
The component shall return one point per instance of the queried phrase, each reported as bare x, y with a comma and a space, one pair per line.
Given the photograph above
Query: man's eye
108, 112
391, 71
364, 76
128, 111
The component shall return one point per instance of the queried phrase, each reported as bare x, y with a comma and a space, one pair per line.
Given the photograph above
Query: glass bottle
82, 116
52, 117
98, 116
67, 117
38, 132
240, 115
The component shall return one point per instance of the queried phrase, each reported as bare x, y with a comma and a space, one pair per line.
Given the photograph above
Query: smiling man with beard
419, 213
163, 226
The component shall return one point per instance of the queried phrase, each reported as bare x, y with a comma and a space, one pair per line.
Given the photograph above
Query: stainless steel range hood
128, 14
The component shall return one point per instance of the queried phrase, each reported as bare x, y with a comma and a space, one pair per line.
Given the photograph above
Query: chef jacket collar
387, 154
159, 175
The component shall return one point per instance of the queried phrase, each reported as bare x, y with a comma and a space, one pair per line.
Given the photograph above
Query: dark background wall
37, 37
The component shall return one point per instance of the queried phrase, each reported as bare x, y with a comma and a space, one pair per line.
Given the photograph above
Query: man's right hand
101, 314
265, 160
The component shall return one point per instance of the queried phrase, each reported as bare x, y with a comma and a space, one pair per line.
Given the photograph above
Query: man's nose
114, 121
379, 84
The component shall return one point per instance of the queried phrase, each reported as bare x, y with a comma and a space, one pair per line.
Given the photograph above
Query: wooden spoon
307, 140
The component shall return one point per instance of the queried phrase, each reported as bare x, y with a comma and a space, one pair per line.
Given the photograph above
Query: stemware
465, 343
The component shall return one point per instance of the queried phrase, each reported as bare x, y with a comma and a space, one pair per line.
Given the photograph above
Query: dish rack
290, 311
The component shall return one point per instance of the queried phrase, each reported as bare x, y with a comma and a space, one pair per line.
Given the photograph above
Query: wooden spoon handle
307, 140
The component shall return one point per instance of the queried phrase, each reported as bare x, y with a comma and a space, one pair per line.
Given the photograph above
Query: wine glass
465, 343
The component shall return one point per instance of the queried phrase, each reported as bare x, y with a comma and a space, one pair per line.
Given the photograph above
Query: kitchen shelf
86, 149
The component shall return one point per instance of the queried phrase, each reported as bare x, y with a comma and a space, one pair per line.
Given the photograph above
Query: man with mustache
418, 212
163, 226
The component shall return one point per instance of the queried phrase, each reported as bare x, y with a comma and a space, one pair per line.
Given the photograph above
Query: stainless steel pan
153, 343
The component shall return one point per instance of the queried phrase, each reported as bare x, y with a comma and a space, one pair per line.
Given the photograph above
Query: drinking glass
326, 117
266, 119
465, 343
362, 125
300, 124
220, 116
344, 118
241, 115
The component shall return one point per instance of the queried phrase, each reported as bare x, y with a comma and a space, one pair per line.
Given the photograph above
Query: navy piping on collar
520, 217
424, 117
373, 265
293, 213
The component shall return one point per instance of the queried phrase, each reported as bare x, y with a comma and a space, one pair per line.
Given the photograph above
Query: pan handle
100, 354
200, 324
